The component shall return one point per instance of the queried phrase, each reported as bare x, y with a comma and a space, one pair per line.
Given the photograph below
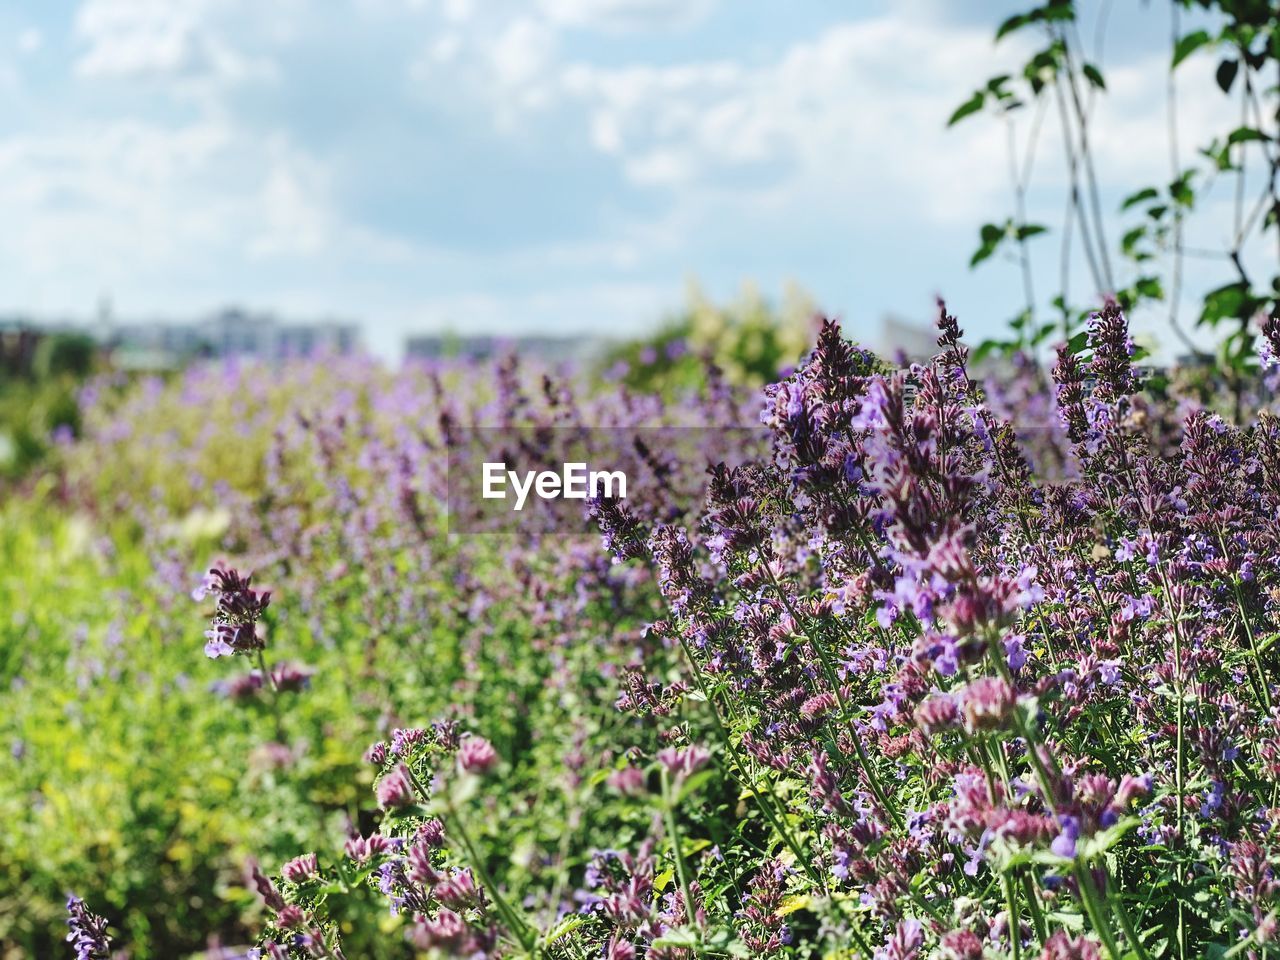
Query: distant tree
749, 338
65, 354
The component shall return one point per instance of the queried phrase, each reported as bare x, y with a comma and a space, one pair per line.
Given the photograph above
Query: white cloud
626, 14
118, 204
822, 115
508, 65
132, 37
521, 53
446, 48
825, 112
857, 115
167, 39
30, 40
108, 198
458, 10
296, 216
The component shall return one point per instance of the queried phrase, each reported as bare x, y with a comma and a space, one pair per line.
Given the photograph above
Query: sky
546, 166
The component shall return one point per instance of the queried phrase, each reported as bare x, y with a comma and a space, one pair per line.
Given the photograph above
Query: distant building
233, 332
482, 347
914, 341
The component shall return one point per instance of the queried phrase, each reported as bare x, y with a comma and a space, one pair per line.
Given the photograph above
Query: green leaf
985, 349
1181, 190
1094, 76
1130, 240
1014, 23
1046, 331
1225, 303
996, 85
989, 237
566, 927
1150, 288
1072, 921
1106, 839
1054, 10
968, 108
1219, 153
1149, 193
1031, 230
1226, 74
677, 937
1188, 45
799, 901
1246, 135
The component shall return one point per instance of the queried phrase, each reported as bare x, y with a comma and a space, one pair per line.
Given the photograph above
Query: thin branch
1175, 167
1073, 168
1091, 178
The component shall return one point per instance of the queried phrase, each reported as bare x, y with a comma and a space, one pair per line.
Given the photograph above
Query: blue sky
549, 165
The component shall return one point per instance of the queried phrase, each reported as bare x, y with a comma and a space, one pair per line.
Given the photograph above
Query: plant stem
1126, 924
1097, 916
1033, 903
270, 681
519, 927
453, 821
832, 678
1015, 922
673, 837
765, 807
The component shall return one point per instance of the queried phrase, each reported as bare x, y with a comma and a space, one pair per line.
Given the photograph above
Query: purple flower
628, 780
905, 943
1064, 844
87, 932
682, 762
1014, 652
239, 609
395, 790
476, 755
301, 869
362, 849
986, 702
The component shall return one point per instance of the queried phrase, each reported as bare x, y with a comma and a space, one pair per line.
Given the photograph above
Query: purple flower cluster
87, 932
236, 616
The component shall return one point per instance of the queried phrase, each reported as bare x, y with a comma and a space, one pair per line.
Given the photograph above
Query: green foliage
124, 771
108, 777
30, 413
1059, 78
749, 339
38, 402
65, 355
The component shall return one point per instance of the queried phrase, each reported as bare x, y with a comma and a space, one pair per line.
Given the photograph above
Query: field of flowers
939, 669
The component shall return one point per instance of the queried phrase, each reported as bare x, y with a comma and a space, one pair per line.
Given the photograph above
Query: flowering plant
923, 678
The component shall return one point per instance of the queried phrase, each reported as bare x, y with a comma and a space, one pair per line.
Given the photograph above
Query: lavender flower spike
88, 931
235, 618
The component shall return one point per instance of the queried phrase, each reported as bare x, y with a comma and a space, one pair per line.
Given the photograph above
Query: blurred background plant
750, 338
40, 376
